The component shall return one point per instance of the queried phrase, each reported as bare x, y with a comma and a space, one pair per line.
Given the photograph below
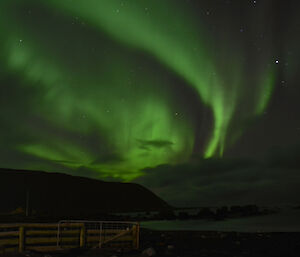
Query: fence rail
68, 234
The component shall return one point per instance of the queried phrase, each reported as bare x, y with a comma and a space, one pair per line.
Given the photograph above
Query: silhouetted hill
61, 194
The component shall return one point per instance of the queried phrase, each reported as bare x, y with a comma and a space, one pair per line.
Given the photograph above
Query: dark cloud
147, 144
216, 182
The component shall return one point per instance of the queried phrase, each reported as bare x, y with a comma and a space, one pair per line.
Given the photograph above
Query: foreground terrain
190, 244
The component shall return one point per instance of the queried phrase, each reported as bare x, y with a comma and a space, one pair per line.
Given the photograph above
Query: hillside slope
61, 194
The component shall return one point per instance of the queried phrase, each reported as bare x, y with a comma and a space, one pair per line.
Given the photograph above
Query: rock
222, 235
149, 252
169, 250
27, 253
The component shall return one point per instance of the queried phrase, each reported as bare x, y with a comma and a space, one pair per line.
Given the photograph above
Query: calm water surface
285, 221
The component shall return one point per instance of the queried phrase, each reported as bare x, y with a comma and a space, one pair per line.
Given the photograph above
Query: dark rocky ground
193, 243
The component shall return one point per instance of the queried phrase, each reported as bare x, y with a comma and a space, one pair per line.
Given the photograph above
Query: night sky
196, 100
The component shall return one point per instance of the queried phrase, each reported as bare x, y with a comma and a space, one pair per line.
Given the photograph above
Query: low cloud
215, 182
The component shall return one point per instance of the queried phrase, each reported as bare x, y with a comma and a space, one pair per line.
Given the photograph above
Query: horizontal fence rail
68, 234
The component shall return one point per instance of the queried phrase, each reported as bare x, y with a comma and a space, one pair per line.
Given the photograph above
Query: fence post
138, 236
100, 238
134, 236
21, 239
82, 236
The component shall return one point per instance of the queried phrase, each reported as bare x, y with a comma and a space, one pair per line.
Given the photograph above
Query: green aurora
105, 79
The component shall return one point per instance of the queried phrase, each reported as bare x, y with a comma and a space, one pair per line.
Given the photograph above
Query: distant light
276, 61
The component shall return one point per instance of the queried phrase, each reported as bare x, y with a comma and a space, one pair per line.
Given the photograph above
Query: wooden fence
63, 235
